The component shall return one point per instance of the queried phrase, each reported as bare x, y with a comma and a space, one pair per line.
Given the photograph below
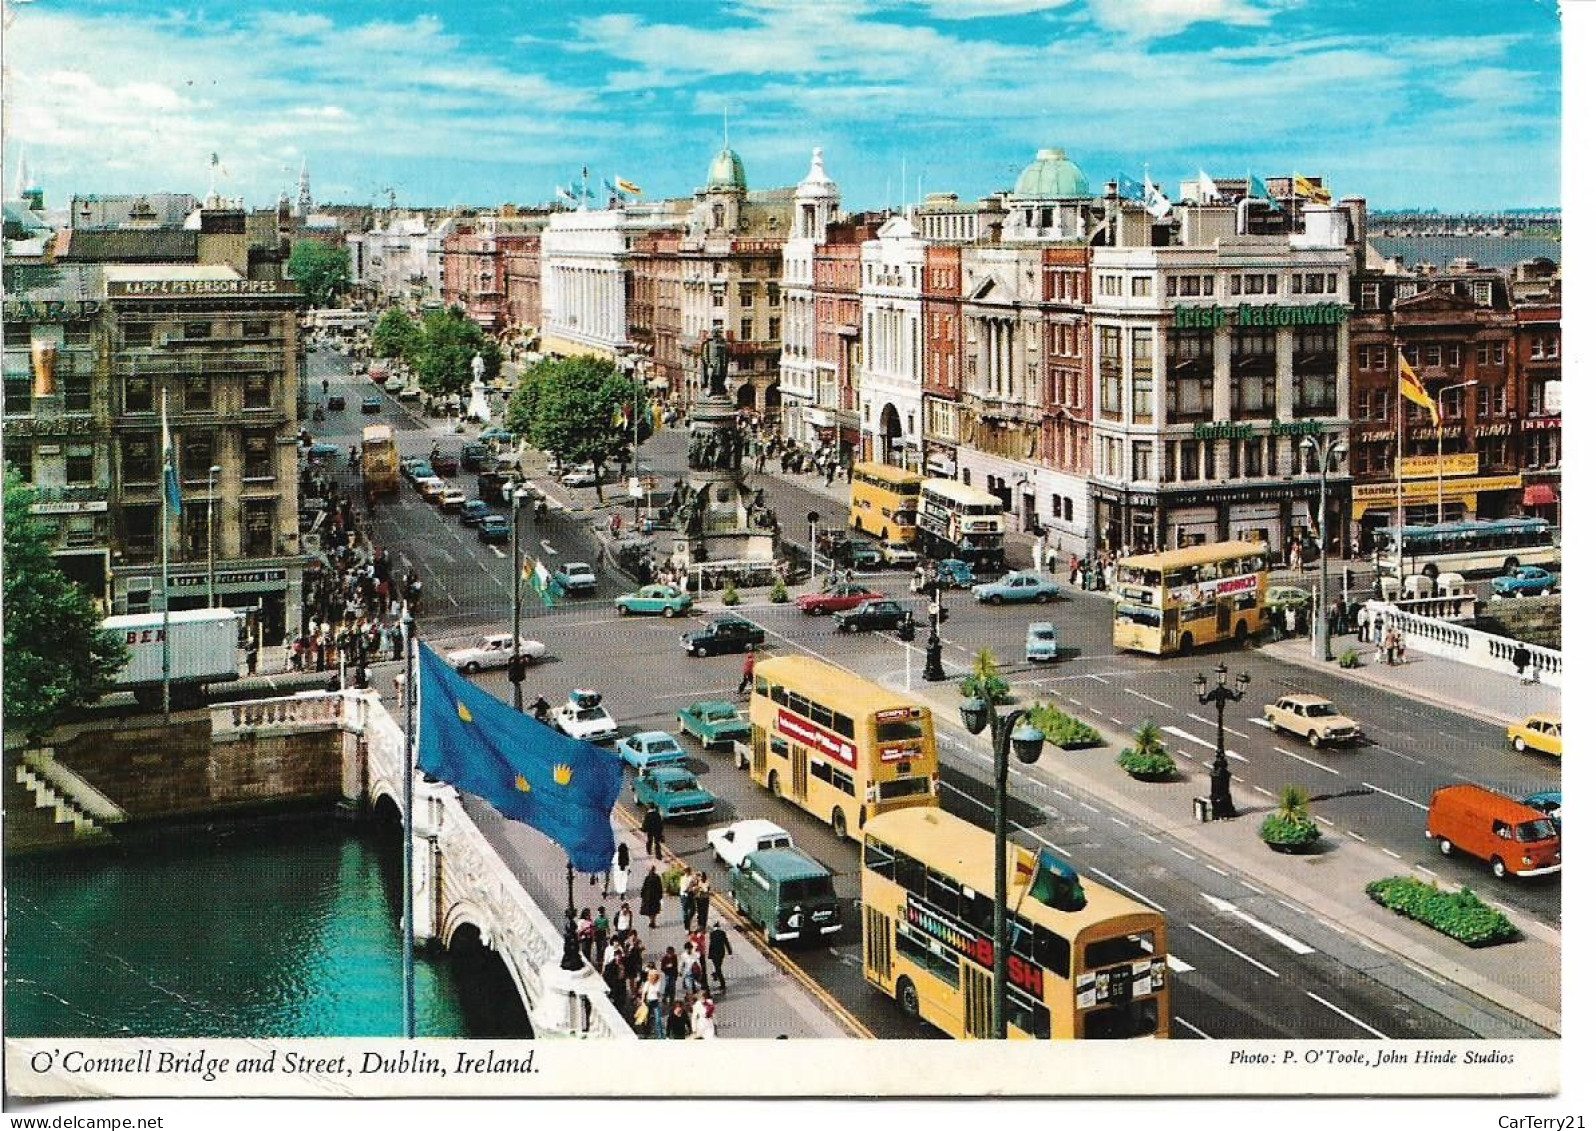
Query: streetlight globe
973, 712
1339, 448
1243, 679
1200, 683
1028, 743
1307, 444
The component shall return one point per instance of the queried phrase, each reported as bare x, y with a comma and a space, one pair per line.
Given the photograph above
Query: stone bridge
458, 879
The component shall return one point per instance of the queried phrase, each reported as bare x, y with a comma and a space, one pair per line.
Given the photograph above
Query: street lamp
210, 536
1440, 394
1011, 730
932, 672
814, 521
1219, 775
1323, 452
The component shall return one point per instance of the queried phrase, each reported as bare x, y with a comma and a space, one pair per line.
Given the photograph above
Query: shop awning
1540, 495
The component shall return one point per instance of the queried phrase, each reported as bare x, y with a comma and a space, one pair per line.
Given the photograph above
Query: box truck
204, 649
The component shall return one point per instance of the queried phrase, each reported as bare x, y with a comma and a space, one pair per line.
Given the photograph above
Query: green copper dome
726, 172
1052, 176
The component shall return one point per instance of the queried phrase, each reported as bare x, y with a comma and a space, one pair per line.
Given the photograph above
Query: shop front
269, 594
1273, 513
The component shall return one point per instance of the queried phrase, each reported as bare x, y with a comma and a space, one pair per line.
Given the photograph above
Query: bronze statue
713, 361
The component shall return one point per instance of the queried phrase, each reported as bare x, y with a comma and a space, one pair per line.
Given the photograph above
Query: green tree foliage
580, 409
449, 340
322, 271
56, 656
397, 336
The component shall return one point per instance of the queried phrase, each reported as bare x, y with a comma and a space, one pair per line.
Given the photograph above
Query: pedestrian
670, 970
689, 881
632, 962
615, 524
654, 833
748, 669
1363, 624
620, 874
1338, 617
601, 931
698, 1014
701, 893
1052, 560
678, 1026
719, 948
1389, 644
1401, 648
540, 710
692, 968
654, 1002
584, 933
1521, 659
651, 896
1379, 628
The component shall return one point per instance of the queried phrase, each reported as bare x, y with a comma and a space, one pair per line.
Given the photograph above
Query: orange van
1517, 840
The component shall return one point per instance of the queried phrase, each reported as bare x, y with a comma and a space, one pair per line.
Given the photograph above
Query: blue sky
1453, 104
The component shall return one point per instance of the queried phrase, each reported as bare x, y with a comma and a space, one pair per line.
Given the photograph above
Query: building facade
892, 271
816, 204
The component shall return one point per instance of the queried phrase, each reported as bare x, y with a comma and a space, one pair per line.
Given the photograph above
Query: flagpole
1401, 427
517, 672
166, 566
408, 916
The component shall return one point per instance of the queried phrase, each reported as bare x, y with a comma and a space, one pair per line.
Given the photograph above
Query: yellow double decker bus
1084, 960
838, 745
1182, 599
885, 501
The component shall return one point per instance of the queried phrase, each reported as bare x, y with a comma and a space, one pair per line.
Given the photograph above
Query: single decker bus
1183, 599
837, 745
884, 501
1085, 961
961, 522
1485, 546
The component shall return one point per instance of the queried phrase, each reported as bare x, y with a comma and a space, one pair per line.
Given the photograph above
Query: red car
838, 599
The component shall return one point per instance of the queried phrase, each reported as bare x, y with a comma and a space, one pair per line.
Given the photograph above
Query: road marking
1228, 730
1397, 796
1090, 808
1392, 855
1220, 871
1310, 761
1261, 722
1356, 836
1120, 823
1077, 702
1399, 754
1149, 698
1327, 821
1192, 1027
1426, 973
1128, 890
1221, 942
1180, 852
1115, 721
1095, 711
1250, 887
1099, 679
1423, 869
1178, 733
1152, 838
1347, 1015
1291, 907
1296, 946
498, 553
1261, 790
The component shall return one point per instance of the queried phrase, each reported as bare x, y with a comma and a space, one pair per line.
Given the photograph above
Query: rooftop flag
1157, 203
1302, 186
174, 491
563, 787
627, 186
1207, 190
1257, 190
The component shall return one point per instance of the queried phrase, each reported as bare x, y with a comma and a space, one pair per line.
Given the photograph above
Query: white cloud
1152, 19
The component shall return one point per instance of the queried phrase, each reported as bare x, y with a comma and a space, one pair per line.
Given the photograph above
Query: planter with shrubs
1062, 730
1349, 659
1290, 828
730, 595
1147, 759
1458, 914
778, 593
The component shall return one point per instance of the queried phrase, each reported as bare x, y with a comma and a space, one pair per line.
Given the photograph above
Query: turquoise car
954, 573
650, 750
1020, 585
712, 722
665, 600
675, 791
1041, 642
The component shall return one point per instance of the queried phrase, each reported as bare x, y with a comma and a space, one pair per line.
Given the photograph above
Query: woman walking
651, 897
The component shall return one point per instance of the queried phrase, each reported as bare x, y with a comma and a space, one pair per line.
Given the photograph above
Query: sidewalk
1482, 693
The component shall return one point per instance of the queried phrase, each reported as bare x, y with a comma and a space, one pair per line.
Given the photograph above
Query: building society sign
1245, 314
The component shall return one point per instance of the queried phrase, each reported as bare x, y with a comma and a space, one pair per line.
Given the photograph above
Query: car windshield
660, 746
577, 567
592, 715
1321, 710
1042, 633
1531, 831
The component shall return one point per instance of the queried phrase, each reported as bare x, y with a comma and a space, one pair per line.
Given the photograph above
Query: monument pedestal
720, 520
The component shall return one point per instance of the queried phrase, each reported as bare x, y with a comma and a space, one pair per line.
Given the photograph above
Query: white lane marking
1397, 796
1261, 790
1219, 871
1179, 966
1120, 823
498, 553
1152, 838
1250, 887
1260, 722
1228, 730
1076, 702
1128, 889
1399, 754
547, 547
1095, 711
1221, 942
1347, 1015
1356, 836
1392, 855
1089, 808
1327, 821
1180, 852
1115, 721
1224, 907
1192, 1027
1291, 907
1426, 973
1149, 698
1423, 869
1310, 761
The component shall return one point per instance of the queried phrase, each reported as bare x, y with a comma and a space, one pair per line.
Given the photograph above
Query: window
1252, 373
19, 454
257, 329
138, 533
196, 331
1490, 353
198, 449
1112, 369
1112, 286
138, 395
259, 519
746, 330
257, 390
258, 451
745, 294
772, 294
1372, 357
1069, 510
1189, 382
137, 333
1058, 506
775, 329
1142, 460
1432, 355
80, 464
1141, 286
1406, 290
77, 386
1142, 375
197, 393
1454, 356
138, 458
1314, 372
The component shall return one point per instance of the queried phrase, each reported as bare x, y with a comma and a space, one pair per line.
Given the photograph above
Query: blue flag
563, 787
1257, 190
1130, 188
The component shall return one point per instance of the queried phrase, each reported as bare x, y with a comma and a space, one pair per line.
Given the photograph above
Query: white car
897, 554
394, 384
734, 842
410, 393
493, 651
580, 477
584, 716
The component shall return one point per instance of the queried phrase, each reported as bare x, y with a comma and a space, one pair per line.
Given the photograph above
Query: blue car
493, 528
473, 511
1548, 801
1020, 585
675, 790
954, 573
651, 749
1525, 581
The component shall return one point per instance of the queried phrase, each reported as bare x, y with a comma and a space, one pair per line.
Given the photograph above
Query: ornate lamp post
210, 536
1008, 731
932, 672
1219, 775
517, 666
1323, 452
1440, 394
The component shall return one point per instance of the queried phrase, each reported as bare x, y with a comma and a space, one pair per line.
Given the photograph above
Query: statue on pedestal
713, 361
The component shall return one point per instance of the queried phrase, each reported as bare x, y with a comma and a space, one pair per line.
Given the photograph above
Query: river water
262, 929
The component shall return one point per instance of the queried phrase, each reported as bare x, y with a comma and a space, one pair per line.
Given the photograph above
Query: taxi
1542, 732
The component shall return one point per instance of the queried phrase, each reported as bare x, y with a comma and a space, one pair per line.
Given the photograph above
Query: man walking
701, 892
654, 833
719, 948
1521, 659
748, 670
689, 882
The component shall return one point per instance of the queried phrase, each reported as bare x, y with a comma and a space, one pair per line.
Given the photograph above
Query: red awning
1540, 495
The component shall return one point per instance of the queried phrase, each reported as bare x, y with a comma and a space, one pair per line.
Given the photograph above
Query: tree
321, 270
397, 336
449, 340
580, 409
56, 656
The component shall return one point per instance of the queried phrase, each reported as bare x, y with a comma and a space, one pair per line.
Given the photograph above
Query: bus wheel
1241, 632
908, 998
839, 824
1186, 644
775, 784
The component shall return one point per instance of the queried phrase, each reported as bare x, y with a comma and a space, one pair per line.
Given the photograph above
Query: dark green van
786, 893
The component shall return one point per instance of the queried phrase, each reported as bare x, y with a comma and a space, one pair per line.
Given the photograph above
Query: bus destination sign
802, 730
